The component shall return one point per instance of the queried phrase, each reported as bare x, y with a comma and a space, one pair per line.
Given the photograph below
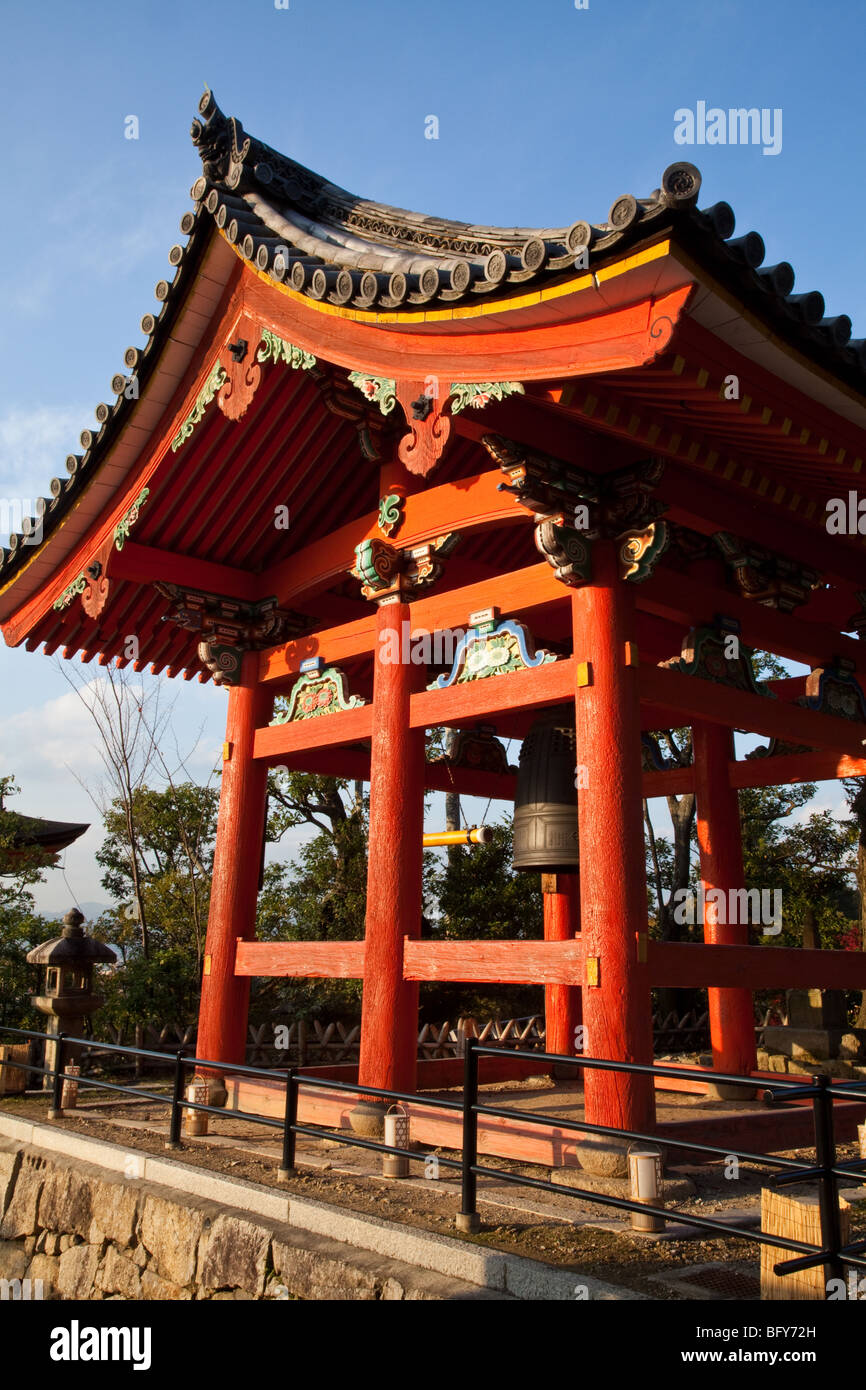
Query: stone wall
88, 1233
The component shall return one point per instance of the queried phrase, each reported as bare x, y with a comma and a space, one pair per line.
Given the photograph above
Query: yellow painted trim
586, 281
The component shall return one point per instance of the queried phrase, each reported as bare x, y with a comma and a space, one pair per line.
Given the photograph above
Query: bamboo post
797, 1218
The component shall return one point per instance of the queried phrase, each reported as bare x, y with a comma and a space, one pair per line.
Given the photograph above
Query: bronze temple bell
545, 808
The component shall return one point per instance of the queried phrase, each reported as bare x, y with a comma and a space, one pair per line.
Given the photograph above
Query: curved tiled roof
299, 229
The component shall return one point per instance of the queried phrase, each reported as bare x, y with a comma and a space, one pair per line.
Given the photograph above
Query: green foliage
174, 832
811, 860
160, 988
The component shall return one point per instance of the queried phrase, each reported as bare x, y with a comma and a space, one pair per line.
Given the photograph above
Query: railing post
289, 1121
57, 1082
468, 1218
176, 1103
828, 1187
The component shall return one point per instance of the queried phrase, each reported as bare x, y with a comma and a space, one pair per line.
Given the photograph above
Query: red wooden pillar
732, 1023
389, 1014
562, 1004
617, 1013
222, 1028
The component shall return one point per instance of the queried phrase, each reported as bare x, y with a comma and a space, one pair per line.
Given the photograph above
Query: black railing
825, 1171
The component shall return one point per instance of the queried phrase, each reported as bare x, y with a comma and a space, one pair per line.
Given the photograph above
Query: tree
174, 833
855, 789
129, 724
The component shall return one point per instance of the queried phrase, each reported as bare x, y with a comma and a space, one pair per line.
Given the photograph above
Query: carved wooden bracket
429, 430
95, 594
574, 508
771, 579
715, 653
390, 575
243, 372
93, 582
229, 627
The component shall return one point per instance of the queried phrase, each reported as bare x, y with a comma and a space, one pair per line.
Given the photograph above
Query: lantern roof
72, 947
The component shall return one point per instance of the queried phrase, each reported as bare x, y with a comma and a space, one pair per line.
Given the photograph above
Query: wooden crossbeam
820, 766
672, 964
737, 709
345, 726
145, 564
512, 962
465, 506
517, 592
682, 965
545, 685
335, 960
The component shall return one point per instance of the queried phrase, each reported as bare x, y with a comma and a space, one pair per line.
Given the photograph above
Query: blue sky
546, 114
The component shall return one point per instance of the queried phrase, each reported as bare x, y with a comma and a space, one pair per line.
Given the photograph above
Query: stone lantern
68, 997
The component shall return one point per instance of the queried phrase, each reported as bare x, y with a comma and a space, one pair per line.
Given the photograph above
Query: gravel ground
534, 1224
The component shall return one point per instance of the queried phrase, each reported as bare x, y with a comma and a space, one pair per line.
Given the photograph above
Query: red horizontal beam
676, 964
346, 726
721, 704
336, 960
545, 685
518, 592
354, 763
145, 564
512, 962
823, 765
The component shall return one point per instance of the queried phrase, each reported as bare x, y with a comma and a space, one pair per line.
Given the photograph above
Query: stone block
13, 1260
777, 1063
115, 1212
310, 1271
171, 1233
604, 1158
816, 1008
234, 1254
76, 1276
10, 1160
46, 1268
158, 1290
805, 1044
119, 1275
20, 1216
64, 1204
